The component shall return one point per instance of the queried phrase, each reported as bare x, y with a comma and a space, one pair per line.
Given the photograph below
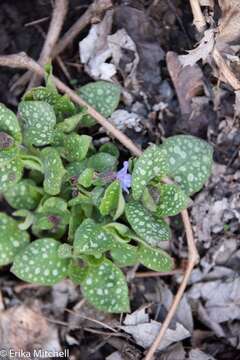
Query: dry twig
199, 20
23, 61
55, 27
94, 10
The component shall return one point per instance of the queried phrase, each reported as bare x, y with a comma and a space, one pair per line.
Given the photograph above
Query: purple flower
124, 178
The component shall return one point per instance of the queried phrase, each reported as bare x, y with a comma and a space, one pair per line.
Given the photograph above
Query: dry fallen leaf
229, 30
94, 50
221, 298
144, 332
199, 355
202, 51
24, 328
187, 80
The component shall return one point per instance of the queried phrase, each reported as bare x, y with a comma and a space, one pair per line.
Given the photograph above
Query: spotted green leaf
150, 229
110, 149
86, 177
62, 105
39, 263
190, 161
10, 134
172, 200
103, 96
70, 123
155, 259
102, 162
150, 164
53, 171
105, 287
10, 174
76, 146
38, 119
110, 199
23, 195
90, 238
65, 251
12, 239
124, 254
42, 93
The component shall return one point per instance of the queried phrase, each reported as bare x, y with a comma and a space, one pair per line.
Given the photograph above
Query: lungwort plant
79, 212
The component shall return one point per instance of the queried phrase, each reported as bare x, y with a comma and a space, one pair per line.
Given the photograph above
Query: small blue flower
124, 178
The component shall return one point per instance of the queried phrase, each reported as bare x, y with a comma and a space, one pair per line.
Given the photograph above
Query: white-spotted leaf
53, 171
10, 174
150, 164
10, 134
110, 198
103, 96
23, 195
172, 200
12, 239
90, 238
105, 287
124, 254
76, 146
40, 263
147, 227
38, 119
155, 259
190, 161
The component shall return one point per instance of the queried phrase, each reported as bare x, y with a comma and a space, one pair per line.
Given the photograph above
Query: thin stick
147, 274
55, 27
192, 261
199, 20
23, 61
94, 10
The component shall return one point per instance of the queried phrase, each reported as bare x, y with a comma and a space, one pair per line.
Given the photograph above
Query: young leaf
76, 273
76, 146
86, 178
105, 287
70, 123
23, 195
12, 239
102, 95
190, 161
110, 199
53, 171
150, 229
10, 174
10, 134
102, 162
120, 206
150, 164
52, 217
155, 259
125, 254
90, 238
38, 120
39, 263
9, 123
172, 200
